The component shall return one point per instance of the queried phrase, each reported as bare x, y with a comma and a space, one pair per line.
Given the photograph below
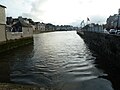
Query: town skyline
62, 12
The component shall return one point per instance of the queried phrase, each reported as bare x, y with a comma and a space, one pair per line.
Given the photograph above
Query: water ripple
55, 60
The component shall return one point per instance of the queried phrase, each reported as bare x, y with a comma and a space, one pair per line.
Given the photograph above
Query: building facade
2, 24
18, 28
39, 27
49, 27
113, 22
94, 28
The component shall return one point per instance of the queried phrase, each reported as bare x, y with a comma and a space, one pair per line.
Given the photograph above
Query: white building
19, 29
94, 28
2, 23
113, 22
40, 27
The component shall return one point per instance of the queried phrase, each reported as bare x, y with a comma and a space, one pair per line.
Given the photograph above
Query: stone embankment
7, 86
11, 44
105, 45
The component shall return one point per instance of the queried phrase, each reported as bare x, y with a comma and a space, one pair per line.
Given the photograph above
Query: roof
2, 6
25, 24
22, 23
37, 22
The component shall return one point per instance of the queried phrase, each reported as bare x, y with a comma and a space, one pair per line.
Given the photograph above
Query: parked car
105, 31
118, 32
113, 31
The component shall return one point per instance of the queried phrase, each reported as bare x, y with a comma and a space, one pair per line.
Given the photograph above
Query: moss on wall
11, 44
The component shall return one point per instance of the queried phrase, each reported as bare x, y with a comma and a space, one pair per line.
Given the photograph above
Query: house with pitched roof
39, 27
20, 29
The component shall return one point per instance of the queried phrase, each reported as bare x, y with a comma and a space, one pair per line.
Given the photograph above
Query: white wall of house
2, 24
27, 31
2, 33
14, 35
98, 28
40, 27
2, 15
33, 26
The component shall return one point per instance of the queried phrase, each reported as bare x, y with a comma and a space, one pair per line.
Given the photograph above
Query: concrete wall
2, 33
2, 15
14, 35
27, 32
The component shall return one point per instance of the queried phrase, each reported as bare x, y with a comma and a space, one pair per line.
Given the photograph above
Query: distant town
37, 27
112, 25
16, 28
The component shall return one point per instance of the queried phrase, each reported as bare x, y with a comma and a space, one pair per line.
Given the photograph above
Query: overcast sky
62, 11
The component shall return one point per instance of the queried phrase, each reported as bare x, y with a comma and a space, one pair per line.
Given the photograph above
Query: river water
58, 60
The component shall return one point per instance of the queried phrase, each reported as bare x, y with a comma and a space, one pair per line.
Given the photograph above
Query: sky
62, 12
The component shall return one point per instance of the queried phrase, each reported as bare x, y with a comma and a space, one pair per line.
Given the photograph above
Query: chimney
119, 11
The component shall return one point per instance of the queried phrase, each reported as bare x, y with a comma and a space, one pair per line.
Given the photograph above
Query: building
39, 27
113, 22
94, 28
57, 28
9, 21
49, 27
65, 28
16, 33
20, 28
2, 23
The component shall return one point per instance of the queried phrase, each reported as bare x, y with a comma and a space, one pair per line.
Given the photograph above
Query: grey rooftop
2, 6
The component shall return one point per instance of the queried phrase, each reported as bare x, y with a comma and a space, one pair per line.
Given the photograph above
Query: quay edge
11, 44
106, 45
10, 86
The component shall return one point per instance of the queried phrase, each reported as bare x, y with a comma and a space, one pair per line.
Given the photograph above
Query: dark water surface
59, 60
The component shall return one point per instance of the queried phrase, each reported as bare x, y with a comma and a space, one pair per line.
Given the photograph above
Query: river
59, 60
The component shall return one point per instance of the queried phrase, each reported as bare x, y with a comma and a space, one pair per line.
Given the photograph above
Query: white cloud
15, 8
63, 11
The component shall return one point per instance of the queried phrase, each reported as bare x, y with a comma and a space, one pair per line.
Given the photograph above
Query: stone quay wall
106, 45
11, 44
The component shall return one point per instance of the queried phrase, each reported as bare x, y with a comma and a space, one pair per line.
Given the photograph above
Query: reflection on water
14, 59
111, 68
58, 60
4, 71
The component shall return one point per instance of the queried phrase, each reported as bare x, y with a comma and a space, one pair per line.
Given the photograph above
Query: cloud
98, 19
36, 5
62, 11
65, 11
36, 11
93, 19
15, 8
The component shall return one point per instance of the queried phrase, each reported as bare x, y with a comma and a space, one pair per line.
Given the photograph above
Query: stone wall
106, 45
11, 44
27, 32
2, 33
14, 35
